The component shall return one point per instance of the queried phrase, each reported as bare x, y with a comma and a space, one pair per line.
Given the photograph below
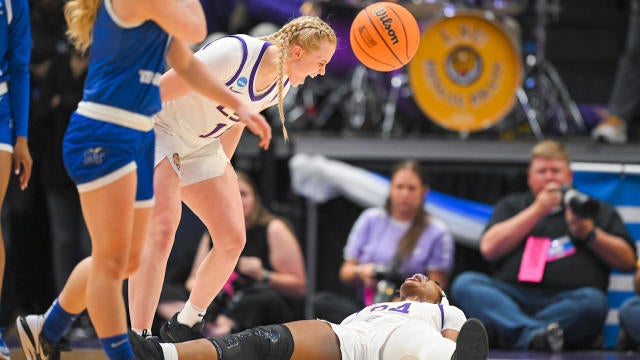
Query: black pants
334, 307
260, 305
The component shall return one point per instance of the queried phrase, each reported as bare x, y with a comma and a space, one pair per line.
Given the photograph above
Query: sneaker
472, 343
5, 354
550, 338
175, 332
34, 344
611, 130
147, 348
81, 329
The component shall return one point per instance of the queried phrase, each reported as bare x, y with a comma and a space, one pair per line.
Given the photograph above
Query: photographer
550, 266
388, 244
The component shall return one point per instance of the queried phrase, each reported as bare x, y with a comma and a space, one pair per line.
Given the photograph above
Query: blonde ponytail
306, 31
80, 16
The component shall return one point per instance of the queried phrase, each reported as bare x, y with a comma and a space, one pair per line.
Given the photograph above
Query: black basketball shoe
145, 348
472, 343
175, 332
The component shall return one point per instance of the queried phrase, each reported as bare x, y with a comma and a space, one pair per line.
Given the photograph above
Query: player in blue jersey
108, 151
196, 138
421, 326
15, 53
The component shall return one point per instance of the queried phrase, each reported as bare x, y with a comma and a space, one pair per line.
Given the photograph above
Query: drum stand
361, 100
543, 96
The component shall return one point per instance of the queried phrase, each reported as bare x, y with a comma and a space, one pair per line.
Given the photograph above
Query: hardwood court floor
97, 354
82, 349
76, 354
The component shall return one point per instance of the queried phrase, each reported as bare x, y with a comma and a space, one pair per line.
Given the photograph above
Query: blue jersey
15, 53
125, 65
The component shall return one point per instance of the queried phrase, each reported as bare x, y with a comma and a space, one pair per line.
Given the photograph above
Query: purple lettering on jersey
221, 128
404, 308
215, 130
231, 116
379, 308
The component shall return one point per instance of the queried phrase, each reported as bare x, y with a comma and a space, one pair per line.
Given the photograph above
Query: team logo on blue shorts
93, 156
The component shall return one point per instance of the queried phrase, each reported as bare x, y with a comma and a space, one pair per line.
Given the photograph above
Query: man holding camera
551, 251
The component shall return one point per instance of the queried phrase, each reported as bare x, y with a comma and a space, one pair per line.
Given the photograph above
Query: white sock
169, 351
190, 315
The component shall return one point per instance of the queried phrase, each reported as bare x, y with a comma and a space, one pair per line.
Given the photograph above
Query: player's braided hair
80, 16
307, 32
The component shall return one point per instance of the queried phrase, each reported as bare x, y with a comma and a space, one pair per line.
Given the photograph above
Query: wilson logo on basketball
387, 23
384, 36
366, 37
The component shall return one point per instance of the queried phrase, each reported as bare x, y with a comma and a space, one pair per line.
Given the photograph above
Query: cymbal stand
543, 95
399, 81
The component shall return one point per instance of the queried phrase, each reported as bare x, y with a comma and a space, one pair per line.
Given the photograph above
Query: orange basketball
384, 36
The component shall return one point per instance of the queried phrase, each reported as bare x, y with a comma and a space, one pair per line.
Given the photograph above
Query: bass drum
466, 71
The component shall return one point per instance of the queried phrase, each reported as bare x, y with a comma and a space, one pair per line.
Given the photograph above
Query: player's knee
162, 235
232, 244
132, 266
114, 266
272, 342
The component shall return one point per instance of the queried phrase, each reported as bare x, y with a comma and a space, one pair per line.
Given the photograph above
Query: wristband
266, 276
590, 236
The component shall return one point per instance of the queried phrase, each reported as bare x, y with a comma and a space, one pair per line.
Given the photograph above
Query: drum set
470, 74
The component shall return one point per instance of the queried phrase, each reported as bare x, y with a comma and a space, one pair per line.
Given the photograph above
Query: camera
581, 204
389, 280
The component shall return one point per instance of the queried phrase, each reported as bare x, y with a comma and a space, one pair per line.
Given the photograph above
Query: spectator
550, 266
391, 242
625, 95
269, 278
629, 313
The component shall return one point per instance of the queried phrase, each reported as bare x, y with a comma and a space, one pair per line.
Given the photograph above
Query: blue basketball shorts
97, 153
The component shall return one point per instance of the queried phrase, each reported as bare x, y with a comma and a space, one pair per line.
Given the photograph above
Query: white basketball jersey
363, 334
235, 60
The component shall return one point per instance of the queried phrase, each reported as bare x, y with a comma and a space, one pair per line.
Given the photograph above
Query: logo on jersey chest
240, 83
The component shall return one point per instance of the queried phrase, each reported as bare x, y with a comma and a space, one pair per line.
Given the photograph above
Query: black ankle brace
272, 342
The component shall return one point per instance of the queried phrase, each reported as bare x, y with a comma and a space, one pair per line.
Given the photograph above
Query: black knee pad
272, 342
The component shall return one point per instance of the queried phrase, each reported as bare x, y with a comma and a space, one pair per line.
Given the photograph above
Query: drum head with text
465, 73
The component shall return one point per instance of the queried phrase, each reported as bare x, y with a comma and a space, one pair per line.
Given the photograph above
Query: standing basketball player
422, 325
108, 151
196, 138
15, 53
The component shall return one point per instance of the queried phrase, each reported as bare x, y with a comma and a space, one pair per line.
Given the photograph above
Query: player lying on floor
421, 326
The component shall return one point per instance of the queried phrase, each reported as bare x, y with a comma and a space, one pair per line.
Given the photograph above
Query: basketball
384, 36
